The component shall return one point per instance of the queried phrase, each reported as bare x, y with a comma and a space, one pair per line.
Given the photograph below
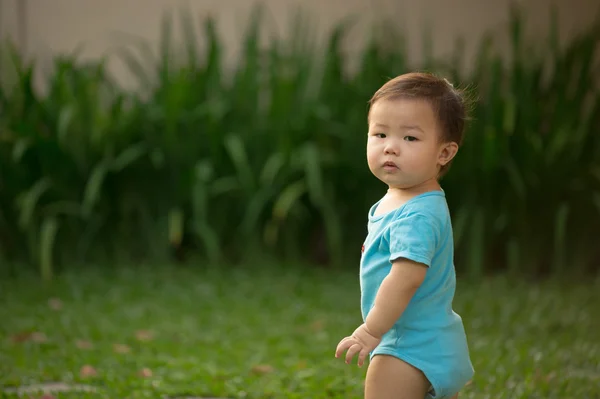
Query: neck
412, 191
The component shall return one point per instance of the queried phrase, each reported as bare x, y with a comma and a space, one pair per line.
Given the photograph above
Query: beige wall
53, 26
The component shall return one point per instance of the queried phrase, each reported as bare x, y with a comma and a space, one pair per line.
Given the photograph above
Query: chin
395, 184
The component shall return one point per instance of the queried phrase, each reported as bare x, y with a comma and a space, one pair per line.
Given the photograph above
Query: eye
410, 138
380, 135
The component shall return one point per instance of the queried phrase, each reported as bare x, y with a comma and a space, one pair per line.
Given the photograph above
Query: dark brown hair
449, 104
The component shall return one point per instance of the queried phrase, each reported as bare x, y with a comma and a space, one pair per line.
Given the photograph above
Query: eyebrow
403, 127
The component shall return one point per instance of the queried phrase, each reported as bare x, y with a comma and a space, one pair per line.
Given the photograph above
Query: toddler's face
403, 146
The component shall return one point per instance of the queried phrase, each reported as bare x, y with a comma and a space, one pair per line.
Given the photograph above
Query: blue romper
429, 335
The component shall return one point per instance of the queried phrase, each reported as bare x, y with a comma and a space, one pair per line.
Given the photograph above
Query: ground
272, 333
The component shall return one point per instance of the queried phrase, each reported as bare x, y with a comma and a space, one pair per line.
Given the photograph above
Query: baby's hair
449, 104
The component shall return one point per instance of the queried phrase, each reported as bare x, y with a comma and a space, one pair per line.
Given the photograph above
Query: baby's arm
394, 294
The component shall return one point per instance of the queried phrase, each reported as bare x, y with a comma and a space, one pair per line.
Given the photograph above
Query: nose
390, 148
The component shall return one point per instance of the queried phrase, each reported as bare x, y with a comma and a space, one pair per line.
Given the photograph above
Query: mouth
390, 165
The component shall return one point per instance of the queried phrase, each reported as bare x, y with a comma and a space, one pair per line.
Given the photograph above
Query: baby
416, 342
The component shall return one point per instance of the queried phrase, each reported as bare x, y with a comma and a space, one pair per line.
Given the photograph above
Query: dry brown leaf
34, 336
21, 337
145, 373
120, 348
39, 337
301, 365
55, 304
144, 335
317, 325
262, 369
82, 344
88, 371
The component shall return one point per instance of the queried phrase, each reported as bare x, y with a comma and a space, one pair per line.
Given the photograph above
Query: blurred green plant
268, 159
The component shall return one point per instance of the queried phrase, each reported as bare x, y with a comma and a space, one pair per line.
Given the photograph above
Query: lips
390, 164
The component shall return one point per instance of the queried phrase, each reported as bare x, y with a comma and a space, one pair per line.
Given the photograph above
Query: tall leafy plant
267, 157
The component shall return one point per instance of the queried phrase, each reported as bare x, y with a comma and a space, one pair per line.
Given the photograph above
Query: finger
353, 350
343, 345
362, 356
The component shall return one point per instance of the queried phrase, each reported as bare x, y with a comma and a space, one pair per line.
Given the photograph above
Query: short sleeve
413, 237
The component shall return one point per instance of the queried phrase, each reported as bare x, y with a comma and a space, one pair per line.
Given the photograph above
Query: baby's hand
361, 341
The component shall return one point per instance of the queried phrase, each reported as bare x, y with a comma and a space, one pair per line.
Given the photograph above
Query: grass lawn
272, 334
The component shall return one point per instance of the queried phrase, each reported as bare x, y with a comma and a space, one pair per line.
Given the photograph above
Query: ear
447, 152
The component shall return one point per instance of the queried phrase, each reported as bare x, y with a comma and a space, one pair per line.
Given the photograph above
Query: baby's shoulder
431, 209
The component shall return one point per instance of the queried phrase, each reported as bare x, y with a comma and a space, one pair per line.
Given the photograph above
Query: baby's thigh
391, 378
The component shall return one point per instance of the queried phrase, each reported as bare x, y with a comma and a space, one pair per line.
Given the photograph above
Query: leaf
83, 344
317, 325
29, 200
20, 148
92, 192
209, 239
224, 185
134, 64
65, 118
39, 337
262, 369
516, 179
239, 157
55, 304
145, 373
253, 211
271, 168
25, 336
287, 199
21, 337
203, 170
128, 156
87, 371
560, 238
188, 32
314, 180
48, 233
144, 335
120, 348
176, 226
56, 208
460, 224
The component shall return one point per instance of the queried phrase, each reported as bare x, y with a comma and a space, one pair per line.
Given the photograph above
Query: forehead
402, 111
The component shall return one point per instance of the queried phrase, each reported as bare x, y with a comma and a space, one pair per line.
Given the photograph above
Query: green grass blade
48, 232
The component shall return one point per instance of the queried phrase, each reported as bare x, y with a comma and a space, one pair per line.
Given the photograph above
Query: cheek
371, 149
372, 155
